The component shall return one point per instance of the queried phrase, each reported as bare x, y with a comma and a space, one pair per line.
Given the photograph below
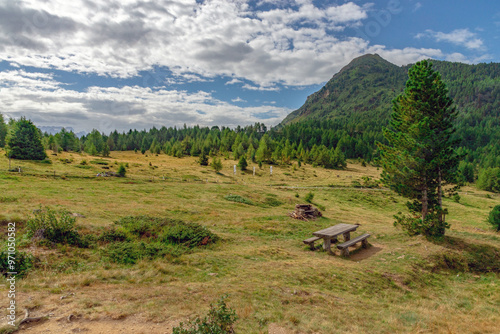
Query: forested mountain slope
356, 103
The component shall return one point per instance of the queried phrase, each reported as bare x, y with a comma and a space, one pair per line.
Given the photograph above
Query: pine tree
216, 165
3, 131
203, 159
242, 164
420, 158
25, 142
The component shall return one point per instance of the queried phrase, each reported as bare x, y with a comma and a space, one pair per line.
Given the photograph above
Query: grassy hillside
275, 283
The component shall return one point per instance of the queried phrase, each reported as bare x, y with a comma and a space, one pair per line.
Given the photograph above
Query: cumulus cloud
290, 42
461, 37
47, 102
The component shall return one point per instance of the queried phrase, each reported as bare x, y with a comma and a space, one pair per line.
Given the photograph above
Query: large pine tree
3, 131
25, 142
420, 158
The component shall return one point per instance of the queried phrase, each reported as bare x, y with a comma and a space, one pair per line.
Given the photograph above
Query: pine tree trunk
425, 200
440, 197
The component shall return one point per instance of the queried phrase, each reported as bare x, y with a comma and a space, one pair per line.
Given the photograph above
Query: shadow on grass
466, 256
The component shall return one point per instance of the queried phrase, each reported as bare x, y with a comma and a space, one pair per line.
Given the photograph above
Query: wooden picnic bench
311, 241
344, 247
330, 234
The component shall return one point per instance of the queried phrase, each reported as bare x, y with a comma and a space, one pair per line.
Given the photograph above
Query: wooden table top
333, 231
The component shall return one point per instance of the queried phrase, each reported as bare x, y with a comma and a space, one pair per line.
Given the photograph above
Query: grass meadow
400, 284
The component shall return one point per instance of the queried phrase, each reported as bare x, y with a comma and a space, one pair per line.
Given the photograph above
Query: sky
135, 64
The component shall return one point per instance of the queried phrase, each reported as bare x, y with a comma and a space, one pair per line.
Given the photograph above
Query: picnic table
331, 233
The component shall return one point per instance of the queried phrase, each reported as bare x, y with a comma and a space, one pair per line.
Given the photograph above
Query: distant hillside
357, 102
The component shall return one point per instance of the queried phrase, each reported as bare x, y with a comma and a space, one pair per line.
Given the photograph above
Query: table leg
327, 245
347, 236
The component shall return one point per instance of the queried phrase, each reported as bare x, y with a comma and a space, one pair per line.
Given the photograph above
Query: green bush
54, 226
238, 199
113, 235
494, 217
22, 263
131, 252
99, 162
220, 320
271, 201
431, 227
168, 230
188, 234
121, 171
309, 197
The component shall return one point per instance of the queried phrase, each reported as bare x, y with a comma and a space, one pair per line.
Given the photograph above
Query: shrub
309, 197
113, 235
271, 201
22, 263
431, 227
131, 252
168, 230
219, 320
494, 217
456, 198
54, 226
121, 171
188, 234
238, 199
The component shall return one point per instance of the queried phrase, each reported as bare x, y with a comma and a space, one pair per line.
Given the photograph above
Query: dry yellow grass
271, 277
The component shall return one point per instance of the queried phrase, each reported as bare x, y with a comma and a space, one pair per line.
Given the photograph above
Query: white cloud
238, 99
233, 81
47, 102
291, 43
461, 37
261, 88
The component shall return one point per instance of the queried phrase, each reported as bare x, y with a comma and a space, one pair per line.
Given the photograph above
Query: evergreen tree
242, 164
203, 160
419, 159
3, 131
216, 165
105, 150
25, 142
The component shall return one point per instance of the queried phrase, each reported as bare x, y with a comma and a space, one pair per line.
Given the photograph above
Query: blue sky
136, 64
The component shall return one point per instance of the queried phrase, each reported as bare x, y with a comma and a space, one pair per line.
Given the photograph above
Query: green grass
404, 285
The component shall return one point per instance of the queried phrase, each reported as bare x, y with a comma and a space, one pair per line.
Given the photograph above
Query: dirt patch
397, 280
363, 254
129, 325
275, 329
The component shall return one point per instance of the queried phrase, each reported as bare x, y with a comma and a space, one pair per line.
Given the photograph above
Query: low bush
272, 202
22, 263
187, 234
144, 237
54, 226
309, 197
238, 199
131, 252
219, 320
113, 235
